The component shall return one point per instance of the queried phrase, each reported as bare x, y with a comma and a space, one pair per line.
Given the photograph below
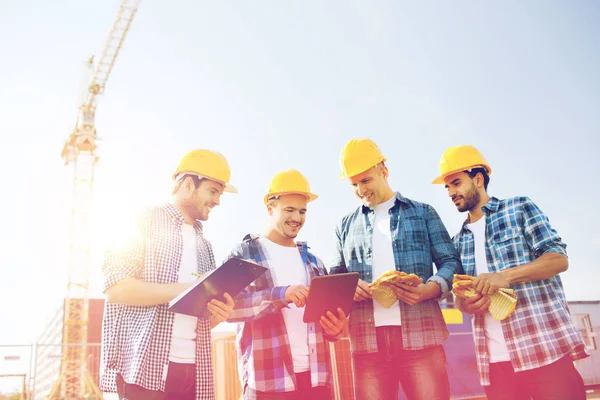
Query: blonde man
402, 344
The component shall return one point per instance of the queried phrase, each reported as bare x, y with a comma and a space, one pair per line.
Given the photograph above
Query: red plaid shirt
264, 355
136, 340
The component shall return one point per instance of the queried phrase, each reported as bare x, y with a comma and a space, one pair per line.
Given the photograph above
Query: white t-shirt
183, 341
288, 269
383, 260
496, 343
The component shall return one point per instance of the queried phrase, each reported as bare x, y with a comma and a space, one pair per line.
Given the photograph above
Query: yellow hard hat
289, 182
206, 164
358, 155
460, 158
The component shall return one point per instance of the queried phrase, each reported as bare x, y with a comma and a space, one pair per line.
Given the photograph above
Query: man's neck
388, 197
476, 213
186, 218
279, 239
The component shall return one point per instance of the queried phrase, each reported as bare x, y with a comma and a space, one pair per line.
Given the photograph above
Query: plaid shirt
419, 239
136, 340
541, 330
263, 348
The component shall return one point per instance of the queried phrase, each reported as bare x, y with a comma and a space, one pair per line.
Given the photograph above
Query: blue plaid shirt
419, 239
263, 347
541, 329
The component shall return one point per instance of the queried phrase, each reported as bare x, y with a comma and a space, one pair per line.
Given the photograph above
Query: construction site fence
32, 370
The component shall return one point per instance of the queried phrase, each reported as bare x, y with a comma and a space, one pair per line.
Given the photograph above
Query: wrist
434, 290
508, 276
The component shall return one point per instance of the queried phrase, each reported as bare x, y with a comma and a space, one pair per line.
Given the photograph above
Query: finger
362, 293
327, 329
480, 302
469, 301
301, 301
332, 317
301, 297
488, 288
218, 304
229, 299
406, 287
326, 323
482, 306
365, 287
477, 285
341, 314
359, 297
216, 311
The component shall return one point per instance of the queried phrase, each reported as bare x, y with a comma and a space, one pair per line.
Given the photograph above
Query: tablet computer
233, 276
328, 293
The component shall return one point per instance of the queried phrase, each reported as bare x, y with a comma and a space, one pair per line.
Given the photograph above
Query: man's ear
479, 179
385, 172
188, 184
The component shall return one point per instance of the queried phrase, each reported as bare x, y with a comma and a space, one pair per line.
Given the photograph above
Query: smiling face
288, 214
464, 191
371, 186
196, 202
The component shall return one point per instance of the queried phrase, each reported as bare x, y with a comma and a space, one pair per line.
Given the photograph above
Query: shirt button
369, 320
368, 274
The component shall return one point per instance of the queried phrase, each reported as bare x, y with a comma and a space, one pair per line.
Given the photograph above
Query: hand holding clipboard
231, 277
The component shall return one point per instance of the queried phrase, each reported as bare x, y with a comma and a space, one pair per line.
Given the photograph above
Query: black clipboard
232, 277
328, 293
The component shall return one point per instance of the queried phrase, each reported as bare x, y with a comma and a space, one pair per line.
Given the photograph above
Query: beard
471, 199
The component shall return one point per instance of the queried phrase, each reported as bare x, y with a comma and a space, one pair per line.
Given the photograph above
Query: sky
277, 85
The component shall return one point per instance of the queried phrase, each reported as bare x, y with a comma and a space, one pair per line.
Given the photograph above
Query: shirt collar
490, 207
399, 199
253, 237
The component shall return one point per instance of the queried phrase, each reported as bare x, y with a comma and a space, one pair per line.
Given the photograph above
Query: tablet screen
328, 293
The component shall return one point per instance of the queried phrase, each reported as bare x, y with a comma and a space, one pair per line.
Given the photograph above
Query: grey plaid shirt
136, 340
419, 239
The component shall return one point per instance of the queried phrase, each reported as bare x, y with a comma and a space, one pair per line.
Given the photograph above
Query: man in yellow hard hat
511, 244
401, 344
149, 352
280, 356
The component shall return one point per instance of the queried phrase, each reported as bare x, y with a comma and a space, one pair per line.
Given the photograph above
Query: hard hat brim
309, 196
442, 178
227, 187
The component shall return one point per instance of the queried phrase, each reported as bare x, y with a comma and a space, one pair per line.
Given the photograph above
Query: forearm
250, 306
135, 292
544, 267
433, 290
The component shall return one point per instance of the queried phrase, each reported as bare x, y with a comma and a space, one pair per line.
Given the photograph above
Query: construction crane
79, 151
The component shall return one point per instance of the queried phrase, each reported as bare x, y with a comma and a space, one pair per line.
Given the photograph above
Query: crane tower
79, 152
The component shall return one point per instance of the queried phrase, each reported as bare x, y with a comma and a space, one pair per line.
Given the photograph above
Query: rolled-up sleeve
539, 234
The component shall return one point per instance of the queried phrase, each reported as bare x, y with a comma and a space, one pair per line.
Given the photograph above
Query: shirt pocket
414, 235
415, 254
507, 248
